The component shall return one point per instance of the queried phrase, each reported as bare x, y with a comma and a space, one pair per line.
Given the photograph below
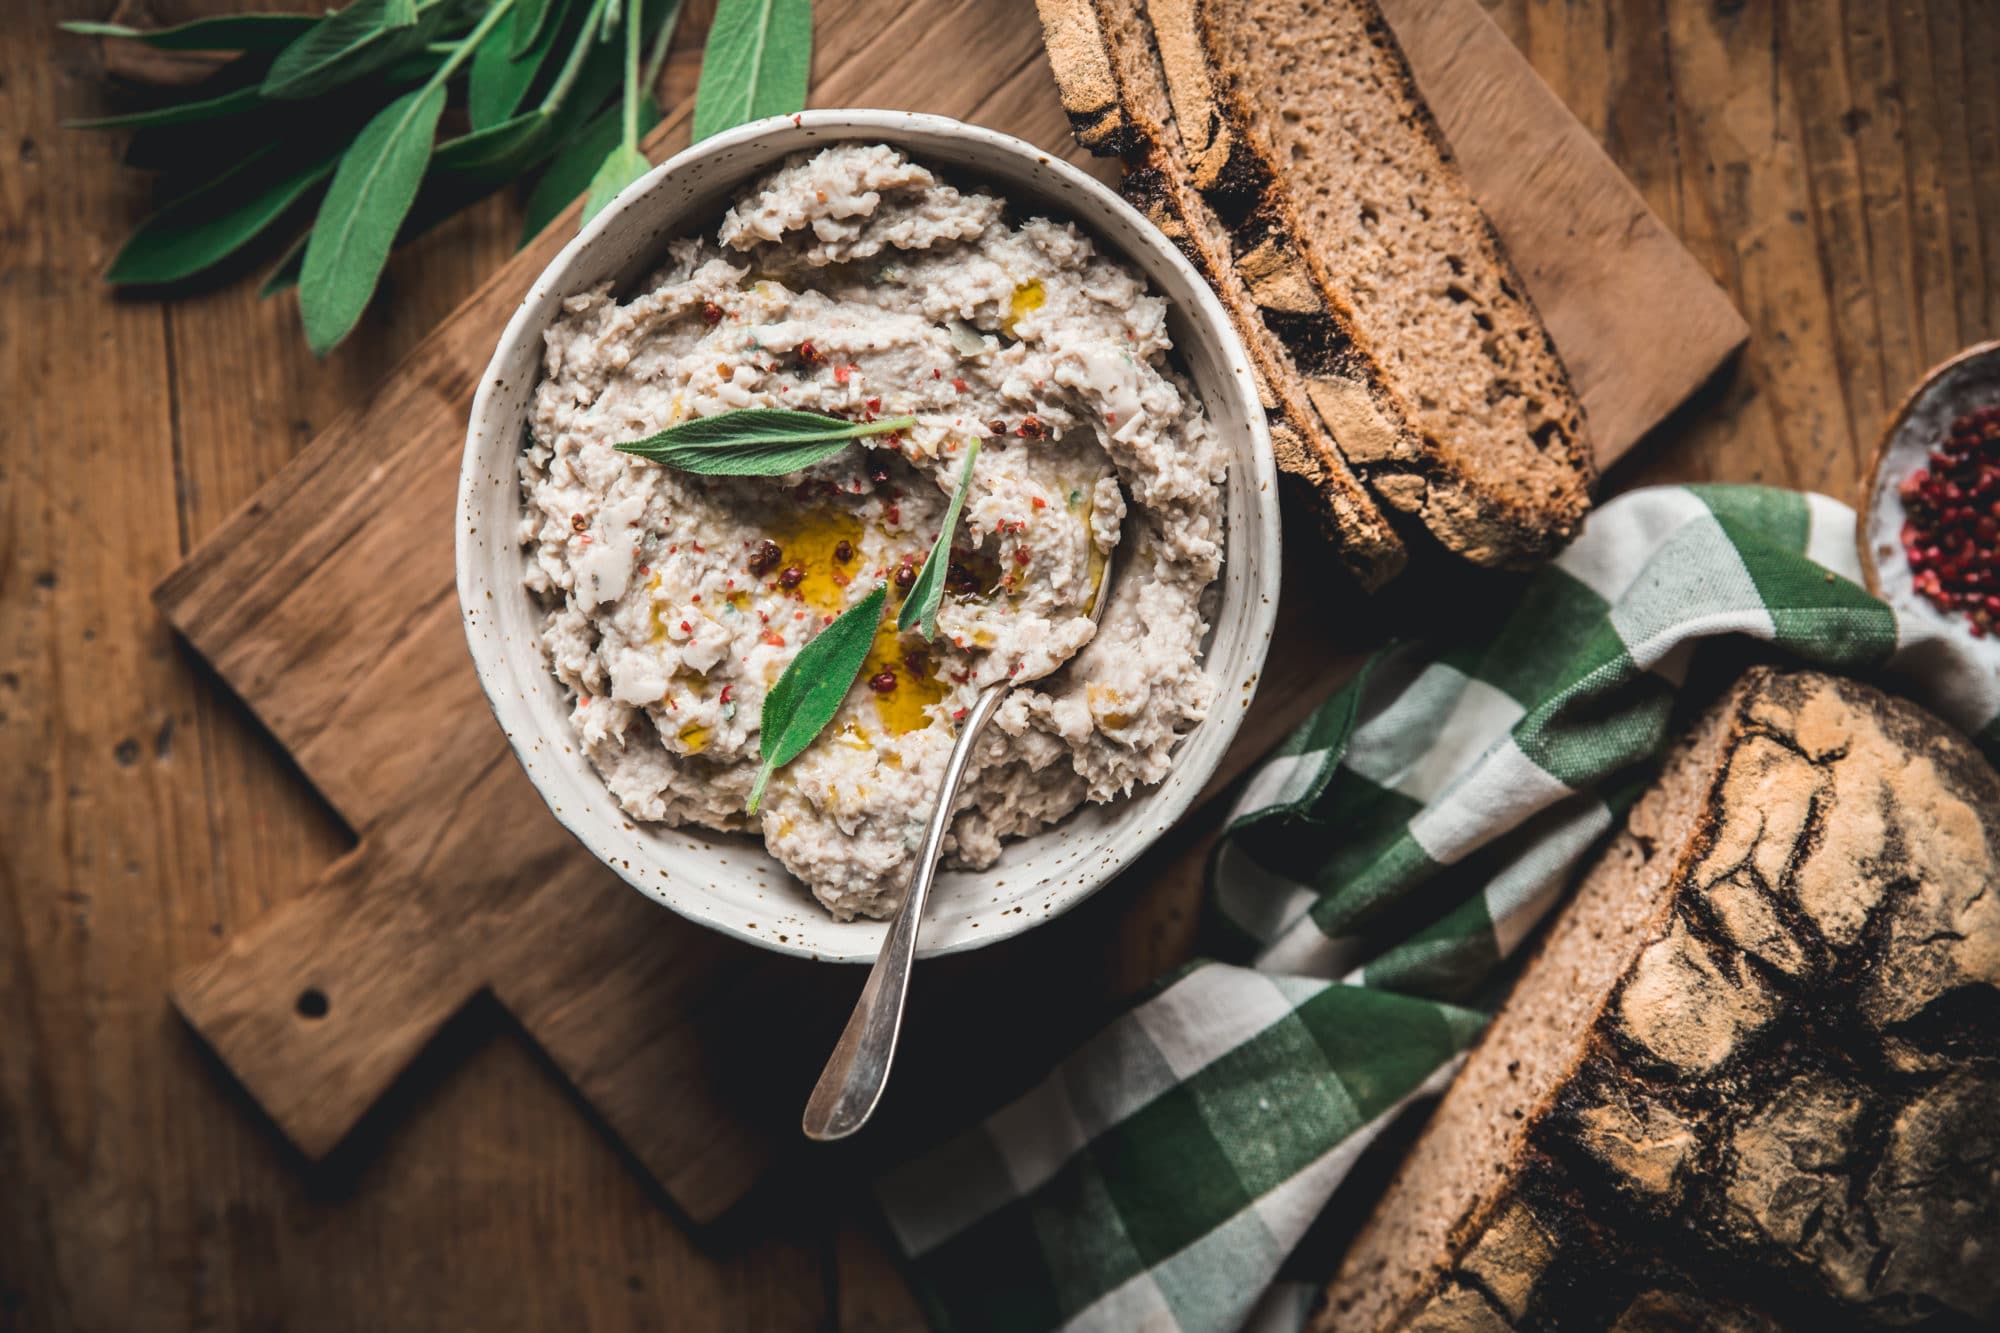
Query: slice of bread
1751, 1077
1115, 95
1420, 347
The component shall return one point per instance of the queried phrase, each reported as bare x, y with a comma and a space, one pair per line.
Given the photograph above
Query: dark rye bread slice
1422, 352
1115, 96
1751, 1078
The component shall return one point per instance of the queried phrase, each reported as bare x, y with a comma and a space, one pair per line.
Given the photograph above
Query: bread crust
1783, 1110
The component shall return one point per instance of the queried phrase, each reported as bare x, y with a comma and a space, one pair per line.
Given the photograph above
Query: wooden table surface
1835, 165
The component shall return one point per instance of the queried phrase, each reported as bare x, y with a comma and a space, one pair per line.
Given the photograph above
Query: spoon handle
858, 1070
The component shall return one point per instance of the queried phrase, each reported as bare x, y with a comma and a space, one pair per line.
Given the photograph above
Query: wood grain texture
1836, 166
1571, 224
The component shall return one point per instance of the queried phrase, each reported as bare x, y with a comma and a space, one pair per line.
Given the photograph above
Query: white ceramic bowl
728, 881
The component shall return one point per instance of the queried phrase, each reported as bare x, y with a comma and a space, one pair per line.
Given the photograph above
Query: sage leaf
575, 166
202, 228
417, 66
501, 76
346, 45
755, 441
498, 153
228, 32
371, 193
284, 275
531, 20
620, 168
222, 107
758, 59
920, 607
810, 692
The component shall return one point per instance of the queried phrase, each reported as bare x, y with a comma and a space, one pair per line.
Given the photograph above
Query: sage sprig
809, 693
920, 608
755, 441
357, 87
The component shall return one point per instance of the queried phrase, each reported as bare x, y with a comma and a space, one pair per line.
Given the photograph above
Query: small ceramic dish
728, 881
1968, 382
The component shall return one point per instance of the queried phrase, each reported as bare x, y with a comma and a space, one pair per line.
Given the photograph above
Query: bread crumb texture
1786, 1113
1420, 347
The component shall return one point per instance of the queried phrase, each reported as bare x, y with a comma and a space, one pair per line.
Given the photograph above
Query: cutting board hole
312, 1003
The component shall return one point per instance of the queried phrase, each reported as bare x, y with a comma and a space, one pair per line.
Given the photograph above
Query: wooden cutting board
328, 604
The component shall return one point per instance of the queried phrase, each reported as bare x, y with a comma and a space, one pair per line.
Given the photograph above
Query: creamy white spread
856, 283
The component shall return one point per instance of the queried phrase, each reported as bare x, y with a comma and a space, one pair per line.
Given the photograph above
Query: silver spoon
858, 1070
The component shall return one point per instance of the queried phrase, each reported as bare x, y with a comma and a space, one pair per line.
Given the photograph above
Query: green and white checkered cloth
1376, 872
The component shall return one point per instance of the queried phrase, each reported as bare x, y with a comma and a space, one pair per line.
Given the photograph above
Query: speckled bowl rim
516, 682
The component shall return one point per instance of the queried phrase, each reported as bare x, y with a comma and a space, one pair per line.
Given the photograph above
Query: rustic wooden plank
140, 1193
1748, 207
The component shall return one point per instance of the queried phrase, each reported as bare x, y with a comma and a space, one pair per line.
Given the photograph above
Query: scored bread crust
1115, 96
1509, 505
1750, 1079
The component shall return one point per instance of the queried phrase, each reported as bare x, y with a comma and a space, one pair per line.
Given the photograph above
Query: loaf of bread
1115, 94
1751, 1077
1393, 337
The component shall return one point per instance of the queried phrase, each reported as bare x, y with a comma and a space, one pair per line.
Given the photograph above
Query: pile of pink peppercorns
1952, 519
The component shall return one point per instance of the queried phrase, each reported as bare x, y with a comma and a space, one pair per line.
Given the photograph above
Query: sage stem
574, 65
464, 47
662, 39
632, 14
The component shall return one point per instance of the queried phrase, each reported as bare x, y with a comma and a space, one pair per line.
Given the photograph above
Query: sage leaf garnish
810, 692
756, 441
226, 32
205, 227
758, 59
345, 45
365, 206
920, 607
